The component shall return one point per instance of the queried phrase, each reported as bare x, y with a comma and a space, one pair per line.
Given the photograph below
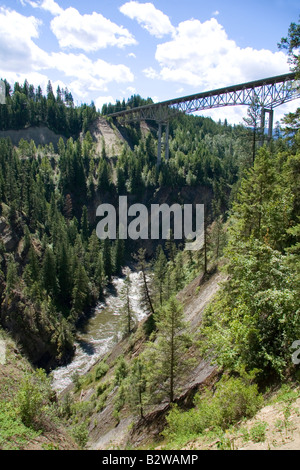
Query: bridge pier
160, 143
270, 112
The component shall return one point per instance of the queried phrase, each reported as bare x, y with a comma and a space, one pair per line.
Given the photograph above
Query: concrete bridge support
270, 112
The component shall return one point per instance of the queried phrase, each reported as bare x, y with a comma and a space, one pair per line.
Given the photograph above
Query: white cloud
52, 7
30, 2
216, 13
233, 114
88, 32
132, 55
151, 73
89, 75
153, 20
131, 90
48, 5
201, 55
17, 48
101, 100
21, 58
33, 78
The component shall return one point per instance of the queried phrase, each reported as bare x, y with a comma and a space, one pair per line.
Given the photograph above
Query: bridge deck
217, 97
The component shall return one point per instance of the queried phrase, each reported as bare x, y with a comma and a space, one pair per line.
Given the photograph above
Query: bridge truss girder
270, 93
267, 93
268, 96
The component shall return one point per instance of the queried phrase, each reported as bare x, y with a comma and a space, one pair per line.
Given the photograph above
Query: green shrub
121, 371
102, 387
101, 403
101, 370
120, 398
258, 432
80, 434
77, 381
33, 397
66, 406
13, 433
235, 398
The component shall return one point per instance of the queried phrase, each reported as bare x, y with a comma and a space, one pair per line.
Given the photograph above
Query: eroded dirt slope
101, 131
40, 135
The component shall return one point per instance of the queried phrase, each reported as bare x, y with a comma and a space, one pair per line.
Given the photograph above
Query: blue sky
110, 49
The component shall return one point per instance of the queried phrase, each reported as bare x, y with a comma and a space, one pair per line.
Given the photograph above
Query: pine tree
103, 176
253, 121
27, 242
136, 387
291, 43
32, 270
168, 352
11, 276
49, 273
177, 273
68, 207
217, 237
85, 229
100, 278
64, 273
121, 181
126, 312
80, 293
145, 291
263, 205
119, 255
160, 271
171, 247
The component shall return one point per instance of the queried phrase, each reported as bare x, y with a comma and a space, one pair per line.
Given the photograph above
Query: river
100, 333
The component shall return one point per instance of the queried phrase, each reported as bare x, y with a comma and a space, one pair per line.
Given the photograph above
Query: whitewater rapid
100, 333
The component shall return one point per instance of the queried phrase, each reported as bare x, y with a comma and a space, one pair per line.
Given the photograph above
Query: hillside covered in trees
52, 260
54, 269
27, 106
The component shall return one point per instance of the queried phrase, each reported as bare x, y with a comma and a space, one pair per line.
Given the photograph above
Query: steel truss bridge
267, 93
